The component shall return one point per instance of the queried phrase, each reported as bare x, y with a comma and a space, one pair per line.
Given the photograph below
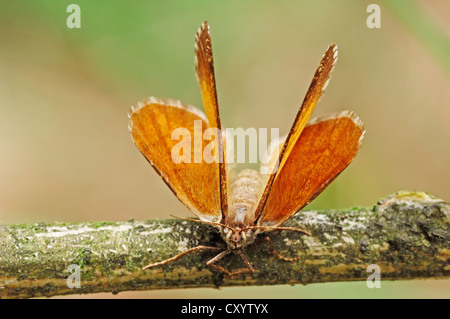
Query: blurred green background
65, 150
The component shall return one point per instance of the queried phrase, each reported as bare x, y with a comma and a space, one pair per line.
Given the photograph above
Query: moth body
245, 192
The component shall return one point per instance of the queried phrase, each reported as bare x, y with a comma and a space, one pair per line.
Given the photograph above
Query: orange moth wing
152, 123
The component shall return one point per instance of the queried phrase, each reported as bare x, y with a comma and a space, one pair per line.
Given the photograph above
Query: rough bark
406, 234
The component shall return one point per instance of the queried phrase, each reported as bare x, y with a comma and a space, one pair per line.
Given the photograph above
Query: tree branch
406, 234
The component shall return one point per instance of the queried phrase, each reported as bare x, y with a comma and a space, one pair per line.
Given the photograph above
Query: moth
243, 206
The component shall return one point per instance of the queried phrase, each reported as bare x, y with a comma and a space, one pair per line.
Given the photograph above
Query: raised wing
204, 66
315, 91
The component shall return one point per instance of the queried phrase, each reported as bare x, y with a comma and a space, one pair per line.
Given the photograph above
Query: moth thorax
245, 192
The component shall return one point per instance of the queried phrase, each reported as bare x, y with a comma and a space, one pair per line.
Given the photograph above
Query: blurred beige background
65, 150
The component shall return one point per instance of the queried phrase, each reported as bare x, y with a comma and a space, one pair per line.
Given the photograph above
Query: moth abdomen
244, 195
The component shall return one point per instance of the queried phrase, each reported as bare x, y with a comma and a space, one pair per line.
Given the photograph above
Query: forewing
315, 91
152, 122
204, 66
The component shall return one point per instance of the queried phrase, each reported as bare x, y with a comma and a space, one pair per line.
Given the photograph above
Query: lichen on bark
406, 234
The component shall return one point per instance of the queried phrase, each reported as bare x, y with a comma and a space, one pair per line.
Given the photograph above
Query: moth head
237, 237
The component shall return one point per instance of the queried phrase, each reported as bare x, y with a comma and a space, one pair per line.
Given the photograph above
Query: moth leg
200, 247
231, 274
217, 258
246, 262
272, 249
